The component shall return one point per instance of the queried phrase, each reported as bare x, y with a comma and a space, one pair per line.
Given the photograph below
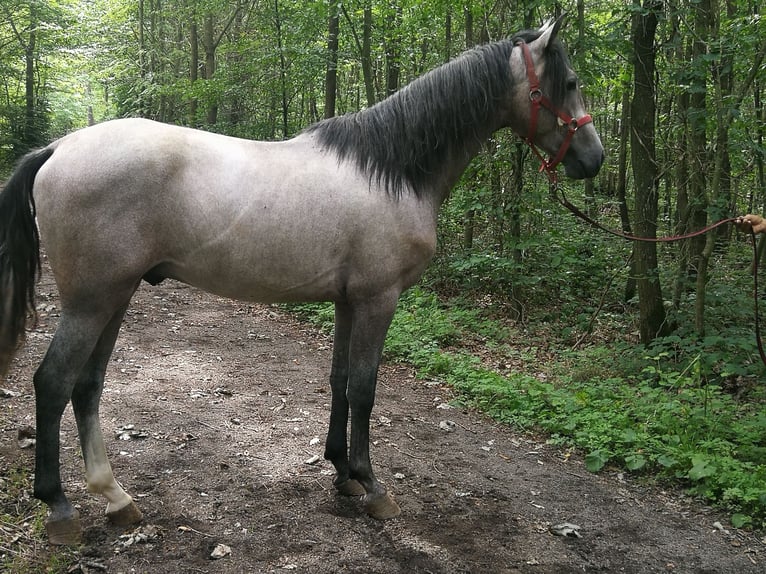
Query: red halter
539, 100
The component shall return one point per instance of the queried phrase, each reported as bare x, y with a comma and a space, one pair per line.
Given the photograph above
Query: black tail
19, 253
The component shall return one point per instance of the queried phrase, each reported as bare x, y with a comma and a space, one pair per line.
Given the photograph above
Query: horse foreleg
336, 447
120, 509
370, 322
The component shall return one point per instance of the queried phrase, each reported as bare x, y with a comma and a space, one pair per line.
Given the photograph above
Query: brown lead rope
559, 196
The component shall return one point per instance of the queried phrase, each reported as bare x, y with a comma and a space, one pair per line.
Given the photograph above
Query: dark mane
403, 140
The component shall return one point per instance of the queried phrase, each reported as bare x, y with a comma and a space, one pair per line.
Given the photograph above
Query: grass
23, 547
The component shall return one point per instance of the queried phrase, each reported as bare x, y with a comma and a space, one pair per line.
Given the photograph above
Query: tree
331, 77
23, 20
642, 113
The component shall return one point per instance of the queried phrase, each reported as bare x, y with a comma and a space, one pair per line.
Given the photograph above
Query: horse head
549, 107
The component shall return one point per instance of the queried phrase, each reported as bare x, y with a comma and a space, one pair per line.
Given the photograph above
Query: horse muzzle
583, 165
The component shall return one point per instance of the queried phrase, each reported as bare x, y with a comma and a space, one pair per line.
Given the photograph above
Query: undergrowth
663, 412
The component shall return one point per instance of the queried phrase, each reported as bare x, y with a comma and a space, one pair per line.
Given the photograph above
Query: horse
346, 212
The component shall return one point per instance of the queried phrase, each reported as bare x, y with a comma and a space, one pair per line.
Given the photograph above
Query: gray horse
344, 212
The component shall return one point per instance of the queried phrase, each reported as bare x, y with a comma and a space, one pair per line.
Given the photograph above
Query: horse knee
361, 397
50, 396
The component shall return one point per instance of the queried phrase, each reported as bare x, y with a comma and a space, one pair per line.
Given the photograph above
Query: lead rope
561, 198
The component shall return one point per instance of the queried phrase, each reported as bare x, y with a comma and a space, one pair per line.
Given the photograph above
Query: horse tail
19, 253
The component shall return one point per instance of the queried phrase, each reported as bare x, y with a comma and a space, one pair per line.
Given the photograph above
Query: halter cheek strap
539, 100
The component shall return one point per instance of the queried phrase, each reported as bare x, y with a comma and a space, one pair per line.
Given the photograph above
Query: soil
213, 408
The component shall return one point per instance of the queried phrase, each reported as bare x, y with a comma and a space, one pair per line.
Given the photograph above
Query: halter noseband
538, 100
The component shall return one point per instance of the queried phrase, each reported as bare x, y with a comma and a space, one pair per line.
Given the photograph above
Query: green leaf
700, 469
740, 520
596, 460
666, 460
635, 461
629, 435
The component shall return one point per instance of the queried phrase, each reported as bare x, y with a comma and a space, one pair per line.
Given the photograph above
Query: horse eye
572, 84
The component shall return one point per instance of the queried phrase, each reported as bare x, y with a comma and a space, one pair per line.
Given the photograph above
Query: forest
640, 355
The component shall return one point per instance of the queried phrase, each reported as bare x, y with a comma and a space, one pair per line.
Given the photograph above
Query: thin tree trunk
364, 46
331, 74
369, 80
142, 108
448, 35
193, 71
393, 53
652, 313
210, 64
702, 247
31, 128
469, 219
622, 184
282, 69
698, 153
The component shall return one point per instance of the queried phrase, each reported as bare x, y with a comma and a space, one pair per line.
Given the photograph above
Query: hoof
350, 487
381, 506
125, 516
65, 532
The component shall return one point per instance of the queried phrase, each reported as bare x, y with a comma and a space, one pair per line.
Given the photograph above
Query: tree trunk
516, 186
760, 114
282, 69
32, 136
622, 184
331, 74
210, 64
142, 108
698, 153
469, 219
682, 213
393, 52
193, 72
369, 80
702, 246
642, 113
448, 35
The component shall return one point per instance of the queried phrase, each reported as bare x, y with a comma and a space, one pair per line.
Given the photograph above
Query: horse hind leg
55, 380
86, 397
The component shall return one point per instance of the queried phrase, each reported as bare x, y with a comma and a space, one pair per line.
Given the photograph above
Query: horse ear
549, 31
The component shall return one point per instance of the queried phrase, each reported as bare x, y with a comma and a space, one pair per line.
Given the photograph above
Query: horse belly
258, 282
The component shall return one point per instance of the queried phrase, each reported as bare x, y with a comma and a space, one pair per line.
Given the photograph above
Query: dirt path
213, 407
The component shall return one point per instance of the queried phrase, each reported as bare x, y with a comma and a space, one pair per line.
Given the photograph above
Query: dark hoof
65, 532
350, 487
125, 516
381, 506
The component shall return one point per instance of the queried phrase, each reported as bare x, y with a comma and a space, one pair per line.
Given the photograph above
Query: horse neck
455, 164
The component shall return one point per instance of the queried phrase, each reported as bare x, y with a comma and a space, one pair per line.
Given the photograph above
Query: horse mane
403, 140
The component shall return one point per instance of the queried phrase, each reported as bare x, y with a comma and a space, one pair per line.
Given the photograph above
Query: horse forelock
402, 141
